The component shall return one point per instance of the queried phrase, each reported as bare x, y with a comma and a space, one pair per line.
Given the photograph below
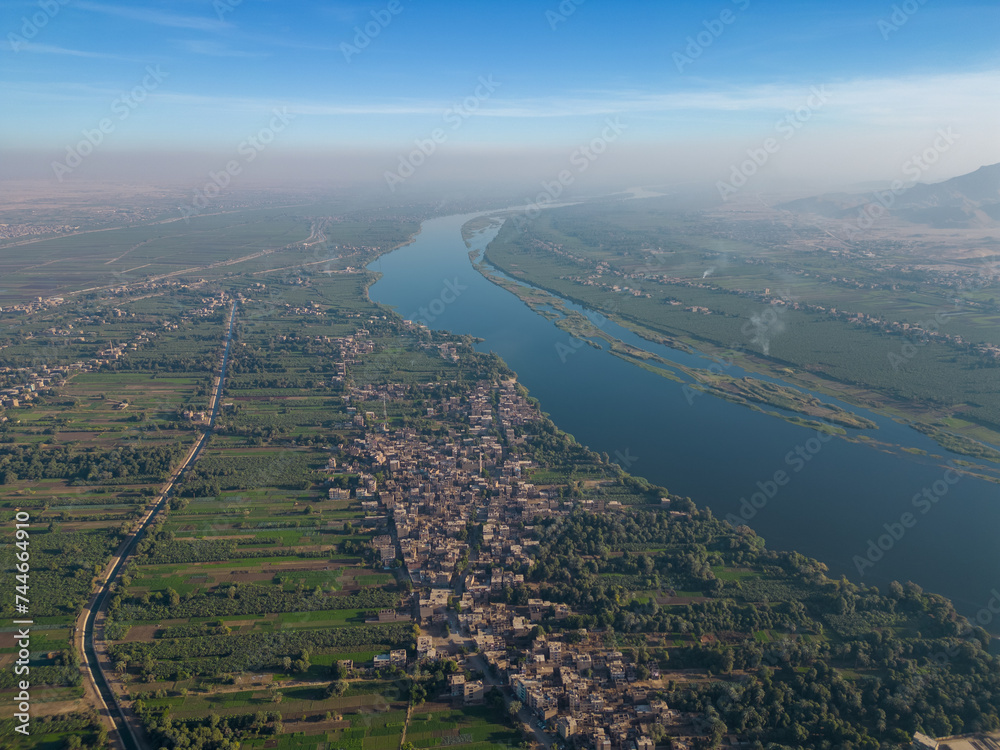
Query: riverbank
705, 447
748, 392
970, 439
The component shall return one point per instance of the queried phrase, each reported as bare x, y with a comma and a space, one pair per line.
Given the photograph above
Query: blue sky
559, 71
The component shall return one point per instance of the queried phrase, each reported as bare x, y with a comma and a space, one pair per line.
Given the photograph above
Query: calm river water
839, 495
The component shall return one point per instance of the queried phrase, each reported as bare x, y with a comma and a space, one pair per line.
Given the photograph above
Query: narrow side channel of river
840, 497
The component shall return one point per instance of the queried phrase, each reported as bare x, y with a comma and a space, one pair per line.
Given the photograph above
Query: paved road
126, 734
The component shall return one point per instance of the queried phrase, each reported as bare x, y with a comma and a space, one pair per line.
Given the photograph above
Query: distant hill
969, 200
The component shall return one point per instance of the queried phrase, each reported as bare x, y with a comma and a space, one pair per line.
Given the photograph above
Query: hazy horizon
403, 96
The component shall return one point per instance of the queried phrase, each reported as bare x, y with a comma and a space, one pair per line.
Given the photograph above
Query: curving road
90, 623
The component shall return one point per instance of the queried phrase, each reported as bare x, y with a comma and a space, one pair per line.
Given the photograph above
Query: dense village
460, 509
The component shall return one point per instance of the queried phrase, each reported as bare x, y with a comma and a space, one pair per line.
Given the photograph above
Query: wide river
840, 499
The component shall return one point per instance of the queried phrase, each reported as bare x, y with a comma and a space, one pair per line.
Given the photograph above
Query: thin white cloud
198, 23
213, 49
48, 49
869, 101
156, 17
283, 42
64, 92
344, 13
